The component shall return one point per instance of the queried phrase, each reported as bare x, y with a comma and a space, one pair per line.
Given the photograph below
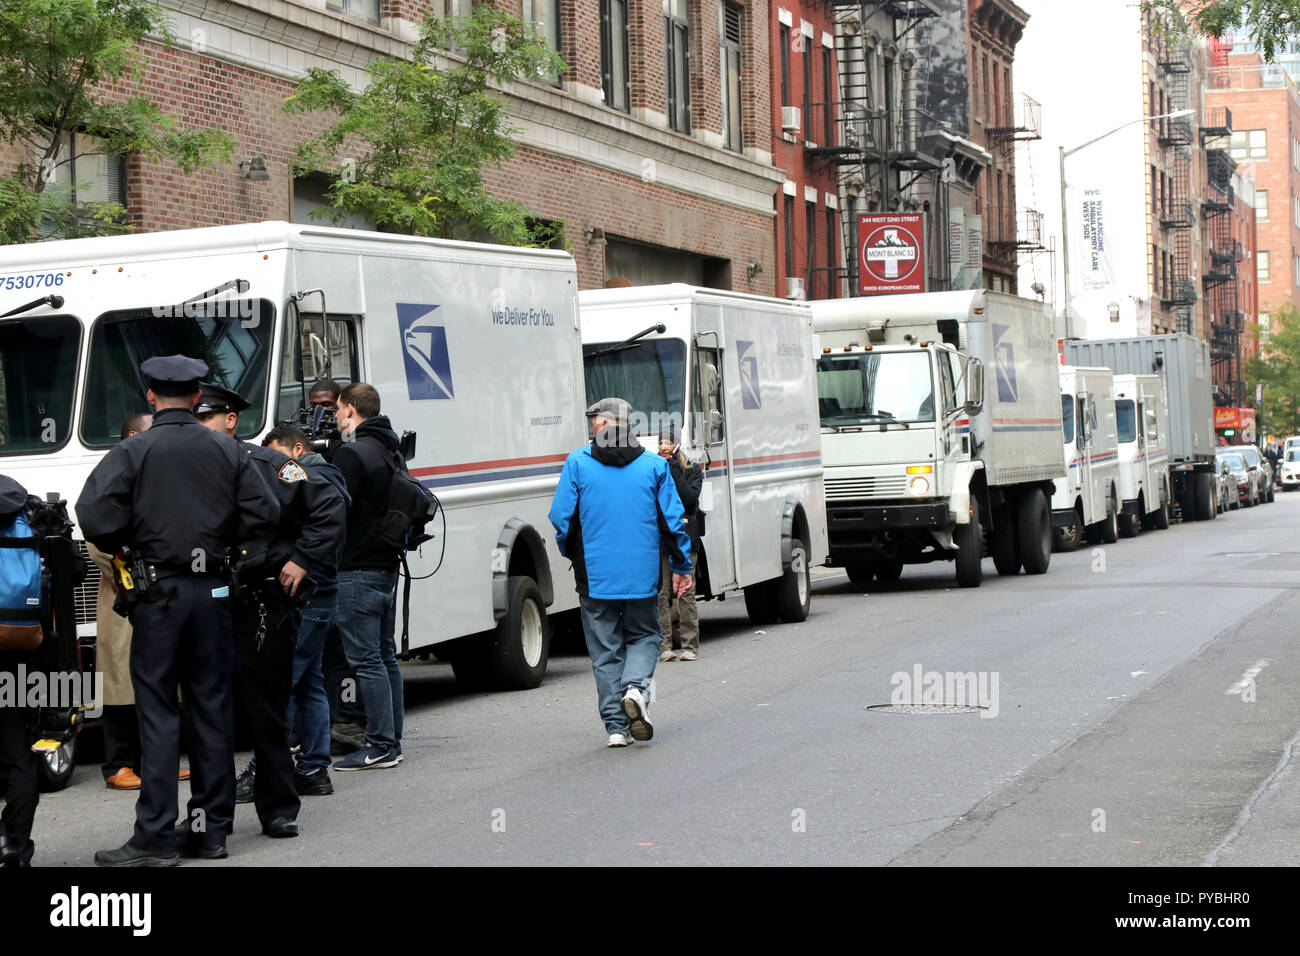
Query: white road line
1246, 678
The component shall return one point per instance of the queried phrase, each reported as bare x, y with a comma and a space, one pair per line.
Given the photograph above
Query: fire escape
1225, 250
876, 134
1008, 235
1178, 218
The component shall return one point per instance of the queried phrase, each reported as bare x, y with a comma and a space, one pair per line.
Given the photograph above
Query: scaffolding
1178, 216
1223, 251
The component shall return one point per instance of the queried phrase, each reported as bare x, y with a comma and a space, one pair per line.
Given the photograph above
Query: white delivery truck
475, 348
1143, 435
1087, 501
923, 461
732, 370
1182, 363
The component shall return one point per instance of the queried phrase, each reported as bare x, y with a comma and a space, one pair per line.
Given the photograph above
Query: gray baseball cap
615, 409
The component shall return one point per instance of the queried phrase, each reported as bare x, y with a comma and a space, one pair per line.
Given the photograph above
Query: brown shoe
690, 656
667, 655
183, 775
124, 779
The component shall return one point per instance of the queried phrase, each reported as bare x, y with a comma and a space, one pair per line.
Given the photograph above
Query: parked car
1247, 483
1289, 468
1261, 471
1229, 496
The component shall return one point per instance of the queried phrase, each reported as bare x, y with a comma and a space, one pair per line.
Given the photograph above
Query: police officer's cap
218, 398
173, 375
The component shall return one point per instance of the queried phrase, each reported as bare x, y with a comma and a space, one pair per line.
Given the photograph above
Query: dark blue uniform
183, 497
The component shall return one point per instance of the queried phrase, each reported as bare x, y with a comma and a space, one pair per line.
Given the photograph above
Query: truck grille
883, 487
87, 594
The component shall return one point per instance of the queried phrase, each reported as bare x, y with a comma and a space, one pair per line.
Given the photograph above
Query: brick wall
580, 41
647, 74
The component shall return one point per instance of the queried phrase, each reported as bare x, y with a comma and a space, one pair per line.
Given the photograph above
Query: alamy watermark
60, 690
947, 688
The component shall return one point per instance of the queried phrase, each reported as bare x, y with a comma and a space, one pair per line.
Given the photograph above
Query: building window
731, 99
1249, 144
807, 78
988, 111
1261, 203
613, 53
828, 96
1261, 265
789, 235
1265, 320
810, 224
831, 216
1295, 205
785, 65
1295, 154
545, 16
1155, 192
676, 49
84, 173
361, 9
1155, 268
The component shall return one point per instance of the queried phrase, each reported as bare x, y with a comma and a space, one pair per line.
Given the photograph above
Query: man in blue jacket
613, 507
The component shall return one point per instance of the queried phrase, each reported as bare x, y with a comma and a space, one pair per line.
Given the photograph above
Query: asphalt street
1141, 710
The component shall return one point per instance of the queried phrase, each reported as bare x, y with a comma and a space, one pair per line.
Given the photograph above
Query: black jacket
689, 484
367, 462
177, 492
312, 514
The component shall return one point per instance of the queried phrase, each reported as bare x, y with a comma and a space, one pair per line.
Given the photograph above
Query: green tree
1267, 22
1278, 370
407, 153
67, 68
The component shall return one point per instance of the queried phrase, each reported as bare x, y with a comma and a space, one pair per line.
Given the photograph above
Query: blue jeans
309, 702
623, 641
365, 619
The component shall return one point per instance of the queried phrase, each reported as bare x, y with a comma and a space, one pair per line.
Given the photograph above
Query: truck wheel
1130, 525
1204, 496
1004, 543
1108, 530
1034, 523
1160, 518
794, 593
1070, 537
521, 644
860, 572
760, 602
887, 572
970, 549
54, 770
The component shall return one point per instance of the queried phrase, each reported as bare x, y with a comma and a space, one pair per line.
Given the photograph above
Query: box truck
1087, 501
1182, 363
733, 371
1143, 453
437, 327
922, 460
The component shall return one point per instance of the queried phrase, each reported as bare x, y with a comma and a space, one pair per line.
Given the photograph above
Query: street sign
891, 254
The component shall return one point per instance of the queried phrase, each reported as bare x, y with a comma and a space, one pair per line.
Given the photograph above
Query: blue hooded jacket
614, 506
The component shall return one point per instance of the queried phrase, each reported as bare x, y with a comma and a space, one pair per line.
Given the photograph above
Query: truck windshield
1126, 420
38, 374
232, 336
650, 375
875, 387
1067, 417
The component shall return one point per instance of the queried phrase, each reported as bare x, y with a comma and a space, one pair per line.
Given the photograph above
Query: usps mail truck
923, 463
1087, 501
474, 348
734, 372
1143, 440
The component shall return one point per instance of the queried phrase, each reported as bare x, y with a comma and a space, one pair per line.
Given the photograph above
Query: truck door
956, 426
711, 435
1083, 444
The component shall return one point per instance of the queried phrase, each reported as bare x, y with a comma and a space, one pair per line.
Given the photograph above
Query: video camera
320, 424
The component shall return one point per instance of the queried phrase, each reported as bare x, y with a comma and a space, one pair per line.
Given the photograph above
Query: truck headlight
919, 486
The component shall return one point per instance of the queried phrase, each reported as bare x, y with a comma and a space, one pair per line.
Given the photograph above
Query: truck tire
887, 572
1034, 524
1005, 543
760, 602
521, 643
1130, 525
54, 770
1070, 537
794, 592
969, 539
1203, 493
860, 572
1160, 517
1108, 530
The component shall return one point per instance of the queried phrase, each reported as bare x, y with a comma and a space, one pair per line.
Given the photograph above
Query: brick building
804, 84
657, 171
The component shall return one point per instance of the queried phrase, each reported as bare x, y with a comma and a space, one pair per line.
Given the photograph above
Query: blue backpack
22, 592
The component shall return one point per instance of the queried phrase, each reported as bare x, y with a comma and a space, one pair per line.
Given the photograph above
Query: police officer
183, 501
266, 618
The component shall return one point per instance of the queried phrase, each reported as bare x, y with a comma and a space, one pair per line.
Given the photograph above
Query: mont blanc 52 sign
891, 253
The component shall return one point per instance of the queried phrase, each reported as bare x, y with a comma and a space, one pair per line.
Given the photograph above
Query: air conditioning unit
794, 287
790, 119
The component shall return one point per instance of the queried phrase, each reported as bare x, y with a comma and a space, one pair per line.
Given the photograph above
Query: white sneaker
618, 740
638, 716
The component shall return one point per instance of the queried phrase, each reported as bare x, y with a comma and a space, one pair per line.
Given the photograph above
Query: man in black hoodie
368, 457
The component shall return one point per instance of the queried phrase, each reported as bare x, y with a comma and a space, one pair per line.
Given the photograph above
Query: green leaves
1267, 22
59, 61
1278, 370
408, 152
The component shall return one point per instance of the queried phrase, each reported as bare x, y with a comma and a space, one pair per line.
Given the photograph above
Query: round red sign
891, 253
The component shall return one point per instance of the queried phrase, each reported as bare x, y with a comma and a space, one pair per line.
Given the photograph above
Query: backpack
409, 509
23, 597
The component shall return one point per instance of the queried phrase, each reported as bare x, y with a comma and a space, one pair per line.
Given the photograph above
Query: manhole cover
926, 708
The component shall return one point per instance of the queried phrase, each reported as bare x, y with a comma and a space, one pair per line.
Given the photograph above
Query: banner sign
891, 254
1094, 259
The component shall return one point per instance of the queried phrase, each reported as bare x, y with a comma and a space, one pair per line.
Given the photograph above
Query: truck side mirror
711, 380
974, 386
